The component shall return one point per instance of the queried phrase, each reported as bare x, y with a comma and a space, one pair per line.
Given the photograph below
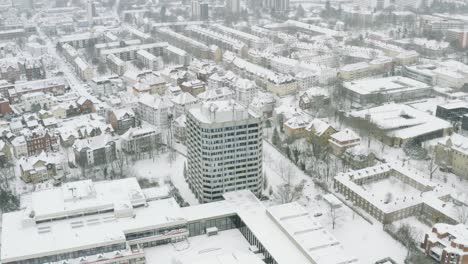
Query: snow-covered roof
120, 113
183, 99
401, 120
387, 85
221, 111
298, 121
345, 135
318, 126
93, 143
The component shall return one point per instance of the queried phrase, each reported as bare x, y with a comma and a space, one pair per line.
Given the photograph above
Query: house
40, 168
94, 151
359, 157
180, 128
39, 140
182, 103
452, 154
341, 141
151, 84
85, 105
5, 154
320, 131
218, 94
194, 87
313, 98
447, 243
156, 110
122, 119
19, 146
5, 106
296, 126
140, 139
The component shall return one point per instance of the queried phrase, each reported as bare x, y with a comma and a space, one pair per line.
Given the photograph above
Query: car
318, 214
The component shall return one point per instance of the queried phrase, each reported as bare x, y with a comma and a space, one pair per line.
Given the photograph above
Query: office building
224, 149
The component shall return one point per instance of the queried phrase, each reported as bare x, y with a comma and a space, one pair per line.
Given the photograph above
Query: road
75, 83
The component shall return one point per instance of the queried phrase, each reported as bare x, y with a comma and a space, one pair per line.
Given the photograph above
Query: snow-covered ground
163, 168
355, 233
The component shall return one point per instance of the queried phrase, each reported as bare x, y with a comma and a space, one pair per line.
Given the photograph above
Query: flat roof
21, 241
394, 84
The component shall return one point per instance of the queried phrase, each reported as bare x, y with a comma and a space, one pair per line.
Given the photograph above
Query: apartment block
224, 148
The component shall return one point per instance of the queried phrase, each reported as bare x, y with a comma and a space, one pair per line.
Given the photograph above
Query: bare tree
120, 162
335, 214
7, 173
432, 166
409, 237
288, 191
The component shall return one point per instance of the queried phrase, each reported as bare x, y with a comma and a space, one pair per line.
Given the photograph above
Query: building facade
224, 147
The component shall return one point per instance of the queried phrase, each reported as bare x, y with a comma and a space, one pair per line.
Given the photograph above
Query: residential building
343, 140
83, 69
122, 119
138, 140
233, 6
36, 101
314, 98
182, 103
320, 131
447, 243
296, 126
40, 168
40, 140
154, 109
452, 154
458, 36
94, 151
224, 149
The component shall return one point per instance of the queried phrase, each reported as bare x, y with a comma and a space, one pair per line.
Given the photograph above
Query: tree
275, 139
335, 214
432, 166
288, 191
36, 107
461, 209
7, 173
120, 162
300, 12
162, 13
408, 236
101, 67
8, 201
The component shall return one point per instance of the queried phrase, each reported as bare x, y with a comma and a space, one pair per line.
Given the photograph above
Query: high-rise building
233, 6
26, 4
195, 9
199, 10
204, 15
224, 148
91, 11
279, 6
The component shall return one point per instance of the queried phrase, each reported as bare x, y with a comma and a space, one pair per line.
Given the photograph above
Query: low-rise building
138, 140
122, 119
154, 109
94, 151
447, 243
452, 154
343, 140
